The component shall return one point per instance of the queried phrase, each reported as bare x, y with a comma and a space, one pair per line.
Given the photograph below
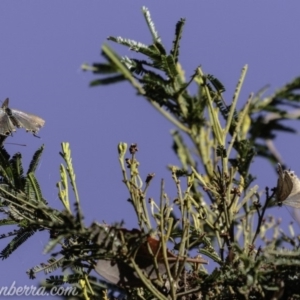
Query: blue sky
43, 45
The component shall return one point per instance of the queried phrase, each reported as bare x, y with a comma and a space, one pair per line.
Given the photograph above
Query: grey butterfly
288, 188
12, 118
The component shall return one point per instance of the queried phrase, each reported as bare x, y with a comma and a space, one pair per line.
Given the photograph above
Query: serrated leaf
35, 160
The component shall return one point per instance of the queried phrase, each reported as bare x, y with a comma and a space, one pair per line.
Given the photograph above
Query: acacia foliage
219, 212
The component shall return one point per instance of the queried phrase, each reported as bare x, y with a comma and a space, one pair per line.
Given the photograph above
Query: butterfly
288, 188
12, 118
117, 271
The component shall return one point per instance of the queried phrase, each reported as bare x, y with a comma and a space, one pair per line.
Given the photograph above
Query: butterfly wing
294, 197
5, 104
28, 121
293, 201
284, 185
288, 188
6, 125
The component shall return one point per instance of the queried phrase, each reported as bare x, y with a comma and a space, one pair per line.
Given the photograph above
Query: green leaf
178, 35
108, 80
35, 160
16, 242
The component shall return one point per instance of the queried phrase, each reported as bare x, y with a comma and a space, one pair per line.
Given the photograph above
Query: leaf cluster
218, 215
225, 222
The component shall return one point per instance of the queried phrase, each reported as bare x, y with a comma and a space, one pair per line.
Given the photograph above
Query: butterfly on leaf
288, 188
10, 119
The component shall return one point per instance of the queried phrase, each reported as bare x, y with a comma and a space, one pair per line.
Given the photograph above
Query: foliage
219, 214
